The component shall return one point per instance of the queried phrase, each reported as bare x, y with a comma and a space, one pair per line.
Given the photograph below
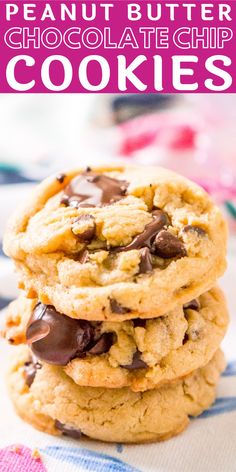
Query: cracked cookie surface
55, 404
143, 237
141, 354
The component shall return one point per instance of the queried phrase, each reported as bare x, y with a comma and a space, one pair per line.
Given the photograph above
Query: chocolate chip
37, 330
30, 373
194, 229
145, 264
116, 307
84, 228
137, 362
60, 178
146, 238
103, 344
65, 200
83, 256
68, 431
192, 305
156, 214
30, 369
64, 338
84, 335
139, 323
89, 189
168, 246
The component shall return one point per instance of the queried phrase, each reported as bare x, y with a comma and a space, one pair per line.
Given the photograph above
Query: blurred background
192, 134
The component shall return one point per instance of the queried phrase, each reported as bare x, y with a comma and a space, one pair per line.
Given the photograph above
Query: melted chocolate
116, 307
68, 431
103, 344
89, 189
30, 369
83, 257
56, 338
168, 246
146, 238
137, 362
145, 264
90, 228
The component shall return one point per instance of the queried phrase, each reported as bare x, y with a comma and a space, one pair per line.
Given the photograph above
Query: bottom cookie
47, 398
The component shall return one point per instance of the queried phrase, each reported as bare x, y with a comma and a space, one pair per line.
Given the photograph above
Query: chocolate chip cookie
53, 403
117, 243
139, 353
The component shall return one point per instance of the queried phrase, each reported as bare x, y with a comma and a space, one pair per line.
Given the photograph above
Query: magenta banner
119, 46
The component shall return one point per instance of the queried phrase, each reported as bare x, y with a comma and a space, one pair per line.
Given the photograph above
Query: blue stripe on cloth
4, 302
221, 405
230, 369
89, 460
12, 175
1, 251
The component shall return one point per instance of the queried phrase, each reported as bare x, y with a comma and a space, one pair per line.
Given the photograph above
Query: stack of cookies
119, 317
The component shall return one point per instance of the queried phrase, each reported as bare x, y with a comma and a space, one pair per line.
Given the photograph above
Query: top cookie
111, 243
